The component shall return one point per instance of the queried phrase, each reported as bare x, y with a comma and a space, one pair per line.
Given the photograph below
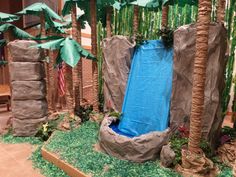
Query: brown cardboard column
135, 20
94, 52
80, 64
221, 11
29, 105
75, 70
164, 20
108, 21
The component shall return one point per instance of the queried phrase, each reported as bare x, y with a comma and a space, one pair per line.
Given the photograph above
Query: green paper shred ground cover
46, 168
10, 139
76, 147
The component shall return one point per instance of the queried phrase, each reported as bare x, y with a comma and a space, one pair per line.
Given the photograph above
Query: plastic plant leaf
3, 42
180, 2
84, 52
70, 50
17, 32
57, 27
8, 17
105, 3
37, 9
82, 4
80, 18
51, 45
68, 6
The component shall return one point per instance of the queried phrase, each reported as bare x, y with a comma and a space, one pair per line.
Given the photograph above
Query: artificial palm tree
70, 7
221, 11
93, 23
108, 21
104, 9
199, 76
14, 32
135, 19
70, 52
164, 20
46, 15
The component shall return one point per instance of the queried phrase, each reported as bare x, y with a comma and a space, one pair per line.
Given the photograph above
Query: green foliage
167, 37
38, 9
9, 138
3, 63
77, 148
139, 39
229, 131
17, 32
84, 112
231, 27
70, 50
46, 168
3, 42
205, 146
115, 114
7, 17
46, 129
177, 143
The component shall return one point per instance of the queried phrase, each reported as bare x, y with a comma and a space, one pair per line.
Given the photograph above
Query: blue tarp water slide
148, 93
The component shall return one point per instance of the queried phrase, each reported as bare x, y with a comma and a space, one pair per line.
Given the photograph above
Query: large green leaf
85, 6
57, 27
68, 6
107, 3
80, 18
82, 4
37, 9
52, 45
150, 4
17, 32
7, 17
180, 2
2, 42
157, 4
70, 50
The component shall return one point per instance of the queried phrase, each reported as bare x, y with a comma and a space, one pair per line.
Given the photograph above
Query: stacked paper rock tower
29, 106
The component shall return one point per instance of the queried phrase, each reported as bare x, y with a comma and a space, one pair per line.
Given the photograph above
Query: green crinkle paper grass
10, 139
76, 147
46, 168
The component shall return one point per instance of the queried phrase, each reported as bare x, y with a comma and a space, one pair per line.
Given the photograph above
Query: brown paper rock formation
196, 165
184, 54
227, 153
29, 105
167, 156
117, 52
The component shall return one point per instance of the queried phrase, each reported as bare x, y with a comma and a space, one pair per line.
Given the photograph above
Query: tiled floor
14, 161
4, 119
